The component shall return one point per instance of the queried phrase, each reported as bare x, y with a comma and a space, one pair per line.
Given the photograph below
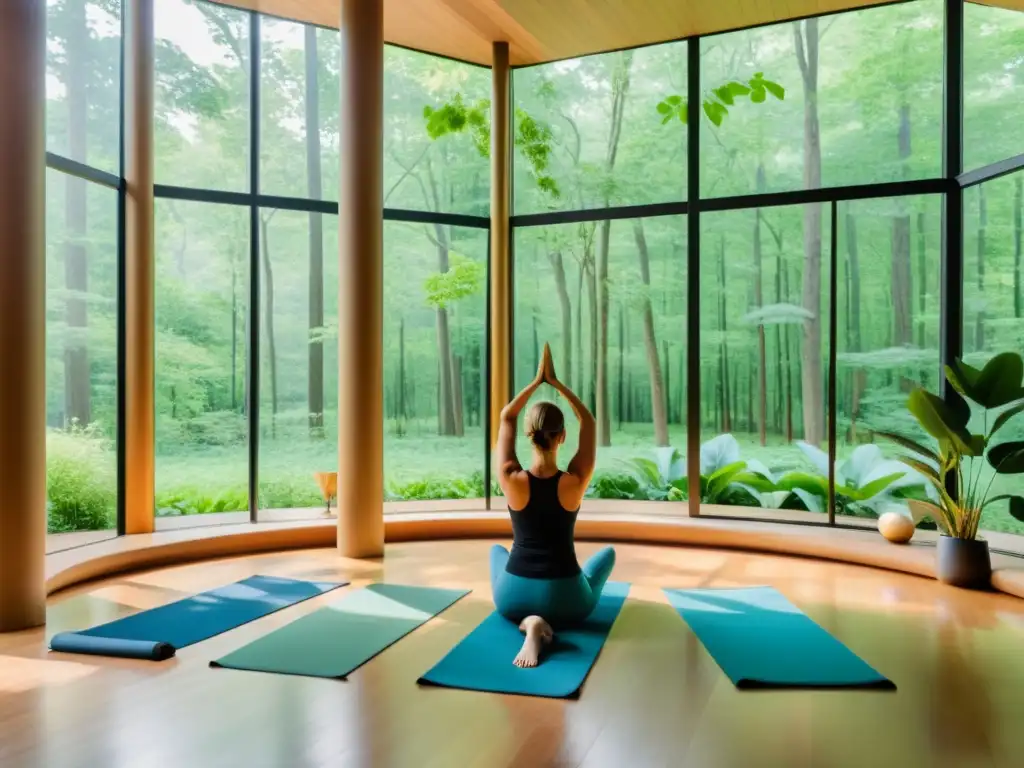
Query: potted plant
956, 467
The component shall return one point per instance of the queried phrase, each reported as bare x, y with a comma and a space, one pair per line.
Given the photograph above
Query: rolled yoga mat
483, 660
335, 640
156, 634
761, 640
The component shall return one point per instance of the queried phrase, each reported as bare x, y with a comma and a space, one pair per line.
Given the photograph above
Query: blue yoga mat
761, 640
156, 634
483, 660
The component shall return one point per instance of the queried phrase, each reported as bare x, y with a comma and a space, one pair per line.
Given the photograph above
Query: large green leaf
1005, 416
995, 385
1007, 458
757, 482
1000, 380
873, 488
943, 421
910, 445
803, 481
719, 481
925, 509
1017, 508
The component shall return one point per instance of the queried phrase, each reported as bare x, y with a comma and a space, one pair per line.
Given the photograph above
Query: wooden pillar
22, 315
139, 308
361, 282
501, 263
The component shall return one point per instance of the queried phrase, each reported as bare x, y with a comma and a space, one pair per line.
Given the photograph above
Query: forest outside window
601, 131
994, 307
81, 360
201, 126
853, 98
202, 331
610, 298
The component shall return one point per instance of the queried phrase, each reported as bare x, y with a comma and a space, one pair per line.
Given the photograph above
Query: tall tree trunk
446, 414
457, 404
401, 370
315, 394
853, 259
811, 379
268, 310
558, 267
234, 335
77, 384
780, 328
446, 401
620, 89
788, 363
758, 303
666, 366
593, 313
580, 367
723, 350
902, 276
922, 289
658, 413
979, 325
622, 366
1018, 242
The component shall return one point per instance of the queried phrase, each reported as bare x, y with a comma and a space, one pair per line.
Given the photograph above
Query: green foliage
717, 101
438, 488
997, 385
81, 480
532, 137
464, 278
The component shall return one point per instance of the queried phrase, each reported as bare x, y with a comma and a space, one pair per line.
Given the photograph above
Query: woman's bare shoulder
571, 490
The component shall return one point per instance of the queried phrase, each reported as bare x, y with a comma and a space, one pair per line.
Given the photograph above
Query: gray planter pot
964, 562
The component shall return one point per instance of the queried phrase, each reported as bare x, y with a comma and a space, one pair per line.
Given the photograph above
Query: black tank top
542, 543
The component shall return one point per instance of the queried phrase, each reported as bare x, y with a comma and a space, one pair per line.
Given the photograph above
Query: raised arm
582, 465
505, 453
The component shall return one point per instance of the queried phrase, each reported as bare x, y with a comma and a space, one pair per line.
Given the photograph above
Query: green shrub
81, 480
437, 489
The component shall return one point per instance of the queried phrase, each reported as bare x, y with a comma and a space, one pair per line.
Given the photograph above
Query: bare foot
538, 634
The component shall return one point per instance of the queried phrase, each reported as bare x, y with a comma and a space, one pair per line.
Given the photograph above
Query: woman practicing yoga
540, 584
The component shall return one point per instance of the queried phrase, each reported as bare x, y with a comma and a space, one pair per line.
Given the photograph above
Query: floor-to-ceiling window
83, 139
819, 264
247, 162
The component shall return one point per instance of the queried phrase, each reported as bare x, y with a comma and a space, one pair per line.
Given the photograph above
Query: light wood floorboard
655, 698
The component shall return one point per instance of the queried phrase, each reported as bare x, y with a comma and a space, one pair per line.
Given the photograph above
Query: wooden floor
655, 698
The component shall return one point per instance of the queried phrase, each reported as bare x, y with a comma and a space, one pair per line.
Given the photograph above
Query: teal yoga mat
483, 660
156, 634
337, 639
761, 640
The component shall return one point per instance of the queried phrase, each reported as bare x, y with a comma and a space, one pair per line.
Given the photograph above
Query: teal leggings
560, 602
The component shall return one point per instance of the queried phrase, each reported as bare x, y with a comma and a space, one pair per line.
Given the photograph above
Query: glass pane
202, 95
888, 319
299, 104
81, 359
298, 360
449, 172
868, 82
623, 354
764, 359
83, 81
435, 371
610, 141
993, 84
202, 299
994, 312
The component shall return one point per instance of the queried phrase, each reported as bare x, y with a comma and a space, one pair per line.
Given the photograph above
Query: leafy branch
532, 138
718, 100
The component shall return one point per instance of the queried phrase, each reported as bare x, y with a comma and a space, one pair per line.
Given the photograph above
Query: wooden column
22, 315
360, 282
501, 264
140, 259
